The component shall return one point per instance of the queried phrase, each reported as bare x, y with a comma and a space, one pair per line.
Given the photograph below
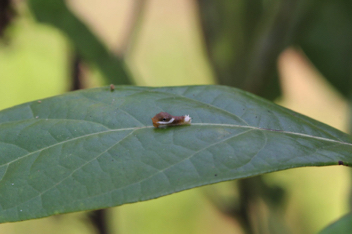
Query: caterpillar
164, 119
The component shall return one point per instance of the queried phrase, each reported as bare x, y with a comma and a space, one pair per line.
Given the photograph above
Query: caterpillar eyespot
164, 119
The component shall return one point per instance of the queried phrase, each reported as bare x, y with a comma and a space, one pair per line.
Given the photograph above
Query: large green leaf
97, 148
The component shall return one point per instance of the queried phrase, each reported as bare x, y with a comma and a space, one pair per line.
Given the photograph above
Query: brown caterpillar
164, 119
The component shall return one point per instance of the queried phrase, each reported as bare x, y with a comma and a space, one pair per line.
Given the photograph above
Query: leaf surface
97, 148
341, 226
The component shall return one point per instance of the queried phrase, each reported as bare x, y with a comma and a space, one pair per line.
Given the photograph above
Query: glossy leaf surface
97, 148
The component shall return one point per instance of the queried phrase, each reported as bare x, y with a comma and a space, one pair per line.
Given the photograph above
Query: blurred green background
255, 46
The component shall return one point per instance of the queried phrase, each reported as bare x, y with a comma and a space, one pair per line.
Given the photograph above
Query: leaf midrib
194, 124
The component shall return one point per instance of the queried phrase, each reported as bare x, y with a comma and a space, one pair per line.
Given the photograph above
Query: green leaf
56, 13
341, 226
97, 148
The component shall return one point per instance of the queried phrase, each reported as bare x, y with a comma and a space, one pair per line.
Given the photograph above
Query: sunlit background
167, 48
